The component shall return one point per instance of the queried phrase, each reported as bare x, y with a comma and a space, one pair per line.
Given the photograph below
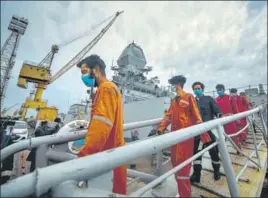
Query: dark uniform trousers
213, 152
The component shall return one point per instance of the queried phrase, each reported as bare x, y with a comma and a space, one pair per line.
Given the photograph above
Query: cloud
212, 42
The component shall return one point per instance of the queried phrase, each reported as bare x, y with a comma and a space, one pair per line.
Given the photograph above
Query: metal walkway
242, 174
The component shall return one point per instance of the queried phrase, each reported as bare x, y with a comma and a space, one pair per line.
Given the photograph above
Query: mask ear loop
91, 75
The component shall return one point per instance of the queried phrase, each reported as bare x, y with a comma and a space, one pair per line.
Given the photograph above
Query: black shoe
195, 177
217, 175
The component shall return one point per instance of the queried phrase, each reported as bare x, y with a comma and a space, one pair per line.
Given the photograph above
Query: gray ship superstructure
130, 76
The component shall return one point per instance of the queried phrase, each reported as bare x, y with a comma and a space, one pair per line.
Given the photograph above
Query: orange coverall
105, 130
183, 113
228, 106
243, 106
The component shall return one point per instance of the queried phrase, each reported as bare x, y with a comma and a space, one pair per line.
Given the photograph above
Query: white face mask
233, 94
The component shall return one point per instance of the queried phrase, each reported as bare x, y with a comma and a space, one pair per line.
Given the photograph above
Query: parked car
21, 129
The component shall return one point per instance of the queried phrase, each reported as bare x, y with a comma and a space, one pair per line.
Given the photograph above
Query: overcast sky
212, 42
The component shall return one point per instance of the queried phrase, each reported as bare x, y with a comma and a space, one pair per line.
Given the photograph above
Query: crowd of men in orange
105, 130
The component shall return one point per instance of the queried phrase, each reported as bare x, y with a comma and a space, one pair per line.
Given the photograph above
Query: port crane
17, 26
41, 76
3, 112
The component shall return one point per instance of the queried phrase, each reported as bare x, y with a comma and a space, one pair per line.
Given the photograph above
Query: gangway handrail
43, 179
240, 151
229, 138
76, 135
246, 164
60, 138
240, 131
170, 172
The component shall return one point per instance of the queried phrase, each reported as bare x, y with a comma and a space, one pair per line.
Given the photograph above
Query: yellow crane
41, 76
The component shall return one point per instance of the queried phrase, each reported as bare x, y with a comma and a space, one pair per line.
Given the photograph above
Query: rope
86, 32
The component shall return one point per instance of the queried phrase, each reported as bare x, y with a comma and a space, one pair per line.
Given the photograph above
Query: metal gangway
60, 179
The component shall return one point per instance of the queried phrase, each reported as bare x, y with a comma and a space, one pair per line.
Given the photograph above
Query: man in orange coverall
228, 107
105, 130
244, 106
238, 100
246, 103
182, 113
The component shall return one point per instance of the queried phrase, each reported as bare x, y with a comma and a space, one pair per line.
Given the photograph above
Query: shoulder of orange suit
188, 95
108, 87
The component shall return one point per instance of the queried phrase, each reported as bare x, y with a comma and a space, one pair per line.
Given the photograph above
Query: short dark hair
220, 86
198, 83
43, 122
93, 61
58, 120
233, 90
177, 80
242, 93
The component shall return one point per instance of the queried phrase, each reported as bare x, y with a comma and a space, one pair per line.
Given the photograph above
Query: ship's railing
43, 179
250, 122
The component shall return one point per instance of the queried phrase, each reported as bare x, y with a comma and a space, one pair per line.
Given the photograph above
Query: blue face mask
88, 81
198, 92
220, 93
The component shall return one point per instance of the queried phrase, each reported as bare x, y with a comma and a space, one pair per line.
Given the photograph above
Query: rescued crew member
245, 101
105, 130
7, 135
7, 164
208, 110
42, 130
228, 107
243, 105
182, 113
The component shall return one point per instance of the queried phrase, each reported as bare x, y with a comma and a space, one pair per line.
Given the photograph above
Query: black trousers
31, 158
213, 152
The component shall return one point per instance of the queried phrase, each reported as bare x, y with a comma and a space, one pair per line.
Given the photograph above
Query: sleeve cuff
81, 153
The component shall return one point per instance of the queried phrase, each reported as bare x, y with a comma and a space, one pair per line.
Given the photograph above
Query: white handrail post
263, 131
158, 156
227, 164
264, 124
40, 157
256, 149
255, 146
158, 163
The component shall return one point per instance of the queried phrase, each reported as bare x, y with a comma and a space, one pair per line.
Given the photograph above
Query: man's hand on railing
154, 132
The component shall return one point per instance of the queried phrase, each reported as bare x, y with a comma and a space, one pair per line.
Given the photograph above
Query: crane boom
7, 109
84, 51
